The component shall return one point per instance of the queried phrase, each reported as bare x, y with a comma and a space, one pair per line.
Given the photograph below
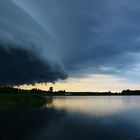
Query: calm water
74, 118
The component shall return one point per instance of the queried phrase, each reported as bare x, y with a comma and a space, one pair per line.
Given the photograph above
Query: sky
76, 45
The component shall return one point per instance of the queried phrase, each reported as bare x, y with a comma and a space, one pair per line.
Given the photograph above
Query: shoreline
14, 99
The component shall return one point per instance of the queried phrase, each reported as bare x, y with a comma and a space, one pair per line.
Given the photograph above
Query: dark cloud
90, 34
21, 49
82, 36
22, 66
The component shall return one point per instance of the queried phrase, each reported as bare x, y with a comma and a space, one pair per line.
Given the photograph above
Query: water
74, 118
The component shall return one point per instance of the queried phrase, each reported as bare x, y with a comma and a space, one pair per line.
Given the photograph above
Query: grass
14, 99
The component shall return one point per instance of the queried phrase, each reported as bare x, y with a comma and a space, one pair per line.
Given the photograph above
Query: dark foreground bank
15, 99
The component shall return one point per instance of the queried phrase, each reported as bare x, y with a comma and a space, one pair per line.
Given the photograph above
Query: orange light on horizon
92, 83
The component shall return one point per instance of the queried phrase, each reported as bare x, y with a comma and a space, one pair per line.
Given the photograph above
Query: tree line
12, 90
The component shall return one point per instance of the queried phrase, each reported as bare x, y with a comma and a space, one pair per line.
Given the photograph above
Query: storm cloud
74, 37
20, 66
21, 49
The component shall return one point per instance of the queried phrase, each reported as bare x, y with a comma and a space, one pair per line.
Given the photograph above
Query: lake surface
74, 118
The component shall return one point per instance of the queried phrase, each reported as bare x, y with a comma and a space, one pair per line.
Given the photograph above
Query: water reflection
72, 118
96, 105
24, 124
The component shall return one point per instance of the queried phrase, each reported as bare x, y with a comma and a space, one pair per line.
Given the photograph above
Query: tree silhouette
51, 89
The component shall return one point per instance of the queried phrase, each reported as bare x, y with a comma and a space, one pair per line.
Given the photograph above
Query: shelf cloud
43, 41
